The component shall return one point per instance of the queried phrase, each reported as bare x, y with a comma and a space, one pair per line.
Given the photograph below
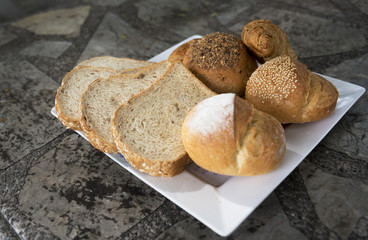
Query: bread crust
286, 89
221, 62
116, 60
266, 40
66, 120
179, 53
95, 140
155, 168
246, 143
322, 99
93, 135
163, 168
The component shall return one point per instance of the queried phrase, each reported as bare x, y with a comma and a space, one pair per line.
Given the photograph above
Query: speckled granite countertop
54, 185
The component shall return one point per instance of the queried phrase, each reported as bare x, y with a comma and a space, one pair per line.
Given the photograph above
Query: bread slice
104, 96
135, 70
147, 129
119, 64
68, 96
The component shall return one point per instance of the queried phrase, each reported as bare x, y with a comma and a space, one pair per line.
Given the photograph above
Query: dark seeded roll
221, 61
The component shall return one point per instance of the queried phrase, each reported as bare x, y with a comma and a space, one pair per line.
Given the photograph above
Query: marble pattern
55, 22
27, 96
51, 49
6, 36
115, 37
55, 185
85, 180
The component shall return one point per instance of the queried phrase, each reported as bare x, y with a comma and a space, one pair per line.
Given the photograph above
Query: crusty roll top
279, 87
216, 50
221, 61
266, 40
227, 135
179, 53
286, 89
209, 131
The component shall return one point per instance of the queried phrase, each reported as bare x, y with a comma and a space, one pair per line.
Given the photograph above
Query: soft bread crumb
147, 129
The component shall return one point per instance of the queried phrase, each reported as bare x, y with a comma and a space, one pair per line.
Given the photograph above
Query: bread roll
266, 40
179, 53
225, 134
286, 89
221, 61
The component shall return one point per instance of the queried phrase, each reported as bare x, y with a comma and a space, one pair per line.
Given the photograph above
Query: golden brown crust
65, 120
247, 142
322, 99
68, 121
163, 168
280, 87
266, 40
220, 61
263, 143
179, 53
154, 168
119, 64
287, 90
95, 140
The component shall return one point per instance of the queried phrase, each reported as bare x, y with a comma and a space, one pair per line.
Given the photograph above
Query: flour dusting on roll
220, 113
225, 134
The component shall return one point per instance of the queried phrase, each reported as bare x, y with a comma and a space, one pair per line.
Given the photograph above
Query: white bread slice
68, 96
147, 129
119, 64
104, 96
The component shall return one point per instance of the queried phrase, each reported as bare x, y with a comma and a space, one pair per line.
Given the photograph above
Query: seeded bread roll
266, 40
221, 61
225, 134
286, 89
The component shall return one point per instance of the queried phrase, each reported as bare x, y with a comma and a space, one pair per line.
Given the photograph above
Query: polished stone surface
55, 22
6, 36
55, 185
52, 49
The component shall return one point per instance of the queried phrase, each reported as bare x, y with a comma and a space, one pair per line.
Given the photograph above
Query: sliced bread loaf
68, 96
147, 129
135, 70
119, 64
104, 96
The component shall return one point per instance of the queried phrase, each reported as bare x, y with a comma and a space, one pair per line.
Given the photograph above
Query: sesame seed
275, 80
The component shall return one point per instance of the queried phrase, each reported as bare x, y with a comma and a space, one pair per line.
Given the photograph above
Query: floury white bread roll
225, 134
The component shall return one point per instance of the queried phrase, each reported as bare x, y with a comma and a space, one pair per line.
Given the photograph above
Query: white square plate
223, 203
